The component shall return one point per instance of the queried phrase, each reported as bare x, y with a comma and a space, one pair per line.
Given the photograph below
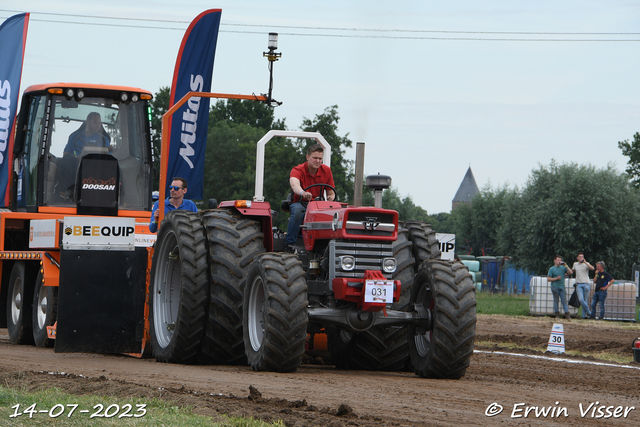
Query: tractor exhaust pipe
378, 183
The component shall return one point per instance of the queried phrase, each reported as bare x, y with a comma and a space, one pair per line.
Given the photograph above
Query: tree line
561, 210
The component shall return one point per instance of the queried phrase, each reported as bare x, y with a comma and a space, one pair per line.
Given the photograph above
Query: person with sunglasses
176, 200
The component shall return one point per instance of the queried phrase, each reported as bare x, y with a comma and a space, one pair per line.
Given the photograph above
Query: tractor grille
368, 255
369, 224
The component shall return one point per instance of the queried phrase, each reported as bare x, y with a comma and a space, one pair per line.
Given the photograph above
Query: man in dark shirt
603, 281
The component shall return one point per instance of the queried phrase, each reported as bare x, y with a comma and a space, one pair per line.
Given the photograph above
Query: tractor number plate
378, 291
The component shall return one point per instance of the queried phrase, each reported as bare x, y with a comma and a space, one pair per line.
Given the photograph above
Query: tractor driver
90, 134
176, 200
313, 171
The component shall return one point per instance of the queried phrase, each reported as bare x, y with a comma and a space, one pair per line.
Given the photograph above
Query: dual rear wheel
197, 286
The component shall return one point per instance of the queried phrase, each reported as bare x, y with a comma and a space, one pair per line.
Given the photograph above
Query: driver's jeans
297, 216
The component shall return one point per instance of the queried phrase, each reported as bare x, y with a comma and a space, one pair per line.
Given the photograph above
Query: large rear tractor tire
19, 301
45, 302
423, 238
275, 313
234, 241
385, 348
179, 290
446, 288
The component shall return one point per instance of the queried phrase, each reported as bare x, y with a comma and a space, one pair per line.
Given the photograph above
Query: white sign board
380, 291
99, 233
145, 240
42, 233
447, 245
556, 339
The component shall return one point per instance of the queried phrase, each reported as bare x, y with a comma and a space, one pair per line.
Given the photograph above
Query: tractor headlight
347, 262
389, 265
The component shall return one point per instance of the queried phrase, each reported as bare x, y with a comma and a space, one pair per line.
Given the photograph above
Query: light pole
272, 56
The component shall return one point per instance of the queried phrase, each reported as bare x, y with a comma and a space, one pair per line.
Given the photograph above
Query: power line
358, 30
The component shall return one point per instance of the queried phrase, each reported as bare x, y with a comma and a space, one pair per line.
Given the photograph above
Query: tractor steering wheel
321, 197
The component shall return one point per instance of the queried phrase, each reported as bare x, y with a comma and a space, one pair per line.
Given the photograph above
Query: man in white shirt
583, 284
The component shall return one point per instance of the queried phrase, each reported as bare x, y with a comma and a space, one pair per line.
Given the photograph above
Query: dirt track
319, 395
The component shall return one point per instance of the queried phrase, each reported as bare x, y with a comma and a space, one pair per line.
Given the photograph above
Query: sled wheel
444, 351
179, 288
234, 241
275, 313
19, 300
45, 301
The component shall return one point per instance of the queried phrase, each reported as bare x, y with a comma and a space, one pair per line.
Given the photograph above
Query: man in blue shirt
176, 200
555, 277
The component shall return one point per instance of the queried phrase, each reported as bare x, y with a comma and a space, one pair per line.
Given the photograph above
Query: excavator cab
63, 126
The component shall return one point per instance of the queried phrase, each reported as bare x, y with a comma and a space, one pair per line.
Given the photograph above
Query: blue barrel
515, 280
490, 275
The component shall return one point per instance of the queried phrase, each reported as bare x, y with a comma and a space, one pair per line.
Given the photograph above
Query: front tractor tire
275, 313
234, 241
446, 288
179, 290
19, 304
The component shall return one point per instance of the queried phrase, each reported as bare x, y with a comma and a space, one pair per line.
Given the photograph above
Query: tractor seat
284, 205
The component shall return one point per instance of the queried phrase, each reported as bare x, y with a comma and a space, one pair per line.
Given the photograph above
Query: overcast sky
431, 87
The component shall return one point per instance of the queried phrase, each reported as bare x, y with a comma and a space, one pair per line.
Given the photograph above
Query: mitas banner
188, 125
13, 38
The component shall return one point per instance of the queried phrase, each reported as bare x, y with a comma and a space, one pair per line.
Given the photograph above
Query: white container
472, 264
620, 303
541, 298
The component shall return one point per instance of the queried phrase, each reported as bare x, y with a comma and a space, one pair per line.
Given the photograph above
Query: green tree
234, 129
341, 168
159, 106
443, 222
477, 224
391, 199
251, 113
632, 151
568, 208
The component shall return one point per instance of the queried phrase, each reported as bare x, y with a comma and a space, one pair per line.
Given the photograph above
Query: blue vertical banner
189, 124
13, 38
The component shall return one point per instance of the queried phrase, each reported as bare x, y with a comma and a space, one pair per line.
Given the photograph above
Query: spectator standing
583, 283
602, 281
556, 276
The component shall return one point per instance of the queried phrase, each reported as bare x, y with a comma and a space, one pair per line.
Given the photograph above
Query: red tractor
219, 292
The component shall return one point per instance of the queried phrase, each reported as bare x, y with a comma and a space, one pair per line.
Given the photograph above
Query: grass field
62, 409
508, 305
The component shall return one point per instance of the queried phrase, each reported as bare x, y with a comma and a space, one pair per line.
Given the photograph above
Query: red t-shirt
322, 176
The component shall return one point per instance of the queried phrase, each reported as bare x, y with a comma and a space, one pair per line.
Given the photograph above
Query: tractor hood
332, 220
